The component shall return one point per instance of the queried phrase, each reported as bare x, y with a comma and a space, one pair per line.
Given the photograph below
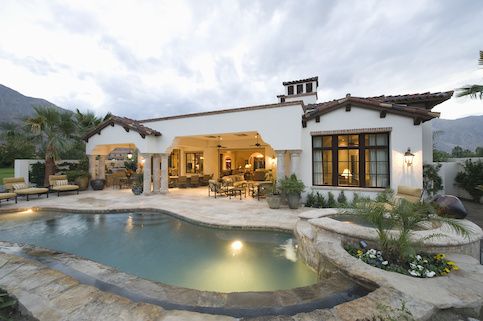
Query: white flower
430, 274
371, 252
384, 262
412, 265
414, 273
418, 257
420, 268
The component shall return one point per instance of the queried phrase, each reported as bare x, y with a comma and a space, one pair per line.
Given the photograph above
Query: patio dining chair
216, 188
194, 181
182, 182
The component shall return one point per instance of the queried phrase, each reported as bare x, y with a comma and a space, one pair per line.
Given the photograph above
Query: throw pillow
61, 182
19, 186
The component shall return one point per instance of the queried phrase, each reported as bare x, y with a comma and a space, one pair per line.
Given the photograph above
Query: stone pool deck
192, 204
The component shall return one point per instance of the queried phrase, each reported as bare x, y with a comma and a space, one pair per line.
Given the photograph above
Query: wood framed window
300, 89
194, 163
290, 90
355, 160
308, 87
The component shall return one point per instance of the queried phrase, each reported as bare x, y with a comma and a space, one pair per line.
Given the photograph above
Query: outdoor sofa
19, 187
60, 184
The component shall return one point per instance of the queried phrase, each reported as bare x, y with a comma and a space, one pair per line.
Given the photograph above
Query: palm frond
474, 91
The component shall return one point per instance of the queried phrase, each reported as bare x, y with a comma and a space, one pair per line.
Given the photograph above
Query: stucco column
156, 172
164, 173
280, 163
295, 162
92, 166
147, 174
102, 166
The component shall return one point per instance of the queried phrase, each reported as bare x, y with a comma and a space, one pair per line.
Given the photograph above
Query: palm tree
87, 121
54, 130
474, 91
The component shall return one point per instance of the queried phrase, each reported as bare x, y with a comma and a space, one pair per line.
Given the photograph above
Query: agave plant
396, 220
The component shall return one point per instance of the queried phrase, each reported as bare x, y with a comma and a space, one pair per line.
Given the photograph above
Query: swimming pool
163, 248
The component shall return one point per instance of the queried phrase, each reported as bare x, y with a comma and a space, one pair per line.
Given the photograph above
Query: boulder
450, 206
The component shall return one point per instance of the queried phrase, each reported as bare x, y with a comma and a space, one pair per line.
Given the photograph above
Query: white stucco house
351, 144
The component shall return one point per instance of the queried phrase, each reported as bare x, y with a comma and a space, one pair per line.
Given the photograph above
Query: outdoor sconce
408, 157
129, 155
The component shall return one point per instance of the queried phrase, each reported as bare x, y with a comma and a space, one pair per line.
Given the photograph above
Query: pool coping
236, 304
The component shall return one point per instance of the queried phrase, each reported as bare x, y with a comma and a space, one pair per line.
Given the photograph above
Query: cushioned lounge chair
410, 194
8, 196
59, 184
18, 186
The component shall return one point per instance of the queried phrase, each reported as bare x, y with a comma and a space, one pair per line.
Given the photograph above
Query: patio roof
127, 123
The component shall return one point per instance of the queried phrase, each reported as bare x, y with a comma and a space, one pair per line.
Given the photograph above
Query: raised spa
162, 248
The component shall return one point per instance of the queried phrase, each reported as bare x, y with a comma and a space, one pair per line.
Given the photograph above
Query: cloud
149, 59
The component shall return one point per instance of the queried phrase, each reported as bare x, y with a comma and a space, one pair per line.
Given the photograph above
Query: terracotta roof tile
127, 123
293, 82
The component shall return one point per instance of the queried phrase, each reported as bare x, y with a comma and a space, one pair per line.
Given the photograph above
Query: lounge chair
59, 184
18, 186
8, 196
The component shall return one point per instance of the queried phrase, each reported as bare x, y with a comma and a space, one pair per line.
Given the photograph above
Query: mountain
14, 106
466, 132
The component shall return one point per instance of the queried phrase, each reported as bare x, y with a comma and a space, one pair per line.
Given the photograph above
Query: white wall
448, 172
427, 142
403, 134
22, 166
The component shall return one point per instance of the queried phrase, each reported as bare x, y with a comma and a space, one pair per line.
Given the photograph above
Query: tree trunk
49, 165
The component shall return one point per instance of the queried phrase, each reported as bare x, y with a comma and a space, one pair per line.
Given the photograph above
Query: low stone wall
460, 291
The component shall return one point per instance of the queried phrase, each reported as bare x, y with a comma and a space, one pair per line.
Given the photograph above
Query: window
290, 90
300, 89
194, 163
173, 163
308, 87
360, 160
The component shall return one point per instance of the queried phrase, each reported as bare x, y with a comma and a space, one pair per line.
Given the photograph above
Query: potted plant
292, 187
274, 199
137, 186
79, 177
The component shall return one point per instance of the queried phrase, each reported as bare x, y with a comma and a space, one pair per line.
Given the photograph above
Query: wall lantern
129, 155
408, 157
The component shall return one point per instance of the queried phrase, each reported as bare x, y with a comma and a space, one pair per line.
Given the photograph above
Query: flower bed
422, 265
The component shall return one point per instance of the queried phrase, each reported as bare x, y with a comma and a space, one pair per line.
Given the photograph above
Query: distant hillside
466, 132
14, 106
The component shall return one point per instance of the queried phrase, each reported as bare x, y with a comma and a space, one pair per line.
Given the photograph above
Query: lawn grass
5, 172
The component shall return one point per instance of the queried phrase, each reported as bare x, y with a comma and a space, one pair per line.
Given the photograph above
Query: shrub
342, 199
310, 202
470, 178
320, 201
37, 174
385, 196
331, 203
432, 182
355, 199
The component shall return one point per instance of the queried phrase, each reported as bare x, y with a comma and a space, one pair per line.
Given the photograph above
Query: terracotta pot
82, 182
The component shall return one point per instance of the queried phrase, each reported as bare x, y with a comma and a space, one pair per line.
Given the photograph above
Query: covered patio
190, 158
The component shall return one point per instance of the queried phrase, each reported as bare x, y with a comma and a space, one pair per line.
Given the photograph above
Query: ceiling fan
257, 144
219, 146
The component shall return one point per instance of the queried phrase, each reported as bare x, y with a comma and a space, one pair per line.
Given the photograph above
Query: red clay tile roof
380, 103
293, 82
426, 100
127, 123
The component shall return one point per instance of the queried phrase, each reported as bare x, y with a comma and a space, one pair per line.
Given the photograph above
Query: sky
145, 59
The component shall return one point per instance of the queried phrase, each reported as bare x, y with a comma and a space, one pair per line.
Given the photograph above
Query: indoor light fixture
346, 173
408, 157
129, 155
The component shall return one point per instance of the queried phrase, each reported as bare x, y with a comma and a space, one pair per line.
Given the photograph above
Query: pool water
162, 248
